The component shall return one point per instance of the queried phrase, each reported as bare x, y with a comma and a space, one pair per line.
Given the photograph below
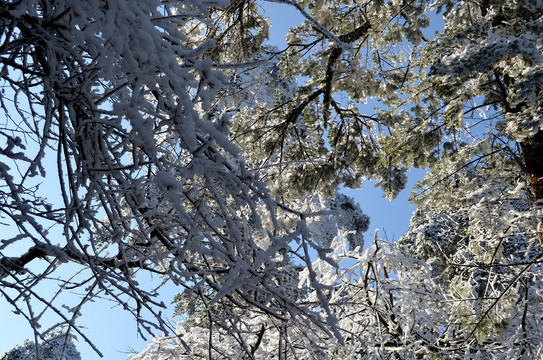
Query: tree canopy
167, 137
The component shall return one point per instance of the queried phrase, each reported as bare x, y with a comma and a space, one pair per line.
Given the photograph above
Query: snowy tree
247, 98
107, 106
347, 53
387, 306
479, 242
491, 52
477, 123
180, 145
464, 104
55, 347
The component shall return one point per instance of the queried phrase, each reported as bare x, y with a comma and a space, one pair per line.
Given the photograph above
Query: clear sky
114, 332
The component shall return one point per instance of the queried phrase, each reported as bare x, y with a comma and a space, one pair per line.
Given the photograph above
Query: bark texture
532, 149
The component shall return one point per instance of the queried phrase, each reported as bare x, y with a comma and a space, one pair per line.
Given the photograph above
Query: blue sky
113, 331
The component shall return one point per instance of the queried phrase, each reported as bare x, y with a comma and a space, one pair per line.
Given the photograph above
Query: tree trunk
532, 149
